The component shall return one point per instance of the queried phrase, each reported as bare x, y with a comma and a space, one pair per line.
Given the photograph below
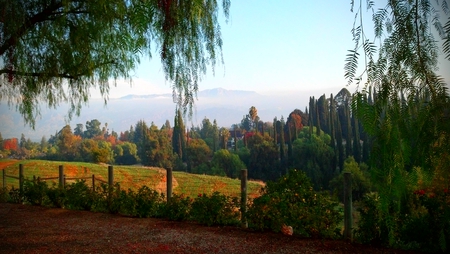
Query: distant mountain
226, 106
220, 92
148, 96
208, 93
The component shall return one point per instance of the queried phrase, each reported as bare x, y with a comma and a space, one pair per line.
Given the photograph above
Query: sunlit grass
130, 177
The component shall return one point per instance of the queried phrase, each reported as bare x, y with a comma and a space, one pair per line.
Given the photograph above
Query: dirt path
6, 163
32, 229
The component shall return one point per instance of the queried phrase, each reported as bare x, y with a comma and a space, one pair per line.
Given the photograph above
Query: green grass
193, 185
131, 177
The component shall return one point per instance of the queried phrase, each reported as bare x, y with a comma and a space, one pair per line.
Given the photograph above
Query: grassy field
129, 177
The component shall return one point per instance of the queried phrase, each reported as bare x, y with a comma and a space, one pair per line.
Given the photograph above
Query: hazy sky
273, 46
270, 46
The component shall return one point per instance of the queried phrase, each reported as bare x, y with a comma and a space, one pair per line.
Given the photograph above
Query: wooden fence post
93, 183
169, 184
61, 176
348, 219
21, 181
244, 198
110, 176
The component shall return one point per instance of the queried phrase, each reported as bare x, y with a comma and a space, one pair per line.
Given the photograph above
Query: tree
360, 180
178, 136
76, 45
79, 130
313, 154
294, 122
67, 144
126, 154
282, 142
404, 118
253, 113
224, 136
198, 153
226, 163
263, 162
92, 129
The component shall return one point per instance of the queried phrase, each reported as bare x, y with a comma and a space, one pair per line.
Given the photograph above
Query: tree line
316, 141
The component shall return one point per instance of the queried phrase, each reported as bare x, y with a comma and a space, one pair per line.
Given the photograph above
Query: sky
271, 47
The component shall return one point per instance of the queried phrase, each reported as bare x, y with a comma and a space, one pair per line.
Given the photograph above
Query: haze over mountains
226, 106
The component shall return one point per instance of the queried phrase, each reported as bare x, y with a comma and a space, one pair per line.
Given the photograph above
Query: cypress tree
332, 120
348, 144
356, 140
235, 139
317, 121
290, 158
275, 121
282, 148
339, 145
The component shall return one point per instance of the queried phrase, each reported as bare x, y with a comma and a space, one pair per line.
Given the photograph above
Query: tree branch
29, 23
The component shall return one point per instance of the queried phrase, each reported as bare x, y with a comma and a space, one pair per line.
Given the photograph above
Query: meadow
129, 177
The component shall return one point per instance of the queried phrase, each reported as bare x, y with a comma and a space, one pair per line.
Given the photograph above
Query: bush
147, 202
292, 201
216, 209
78, 196
4, 195
370, 227
35, 192
177, 208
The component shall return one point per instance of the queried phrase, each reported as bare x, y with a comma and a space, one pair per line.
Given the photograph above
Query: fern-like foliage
404, 117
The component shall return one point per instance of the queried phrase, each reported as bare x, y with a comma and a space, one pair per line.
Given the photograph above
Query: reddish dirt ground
33, 229
4, 164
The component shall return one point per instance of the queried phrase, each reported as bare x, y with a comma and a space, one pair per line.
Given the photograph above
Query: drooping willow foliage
56, 50
403, 104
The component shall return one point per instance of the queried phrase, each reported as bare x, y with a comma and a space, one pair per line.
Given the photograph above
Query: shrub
147, 202
4, 195
292, 201
35, 192
177, 208
78, 196
216, 209
56, 197
370, 227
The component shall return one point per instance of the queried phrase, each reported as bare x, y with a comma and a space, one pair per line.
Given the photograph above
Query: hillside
132, 177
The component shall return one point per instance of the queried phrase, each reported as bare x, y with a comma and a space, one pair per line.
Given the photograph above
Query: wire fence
131, 178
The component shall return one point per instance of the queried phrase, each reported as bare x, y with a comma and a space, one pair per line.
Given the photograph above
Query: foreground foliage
292, 201
289, 201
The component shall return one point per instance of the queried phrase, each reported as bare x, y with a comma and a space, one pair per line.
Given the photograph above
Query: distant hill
226, 106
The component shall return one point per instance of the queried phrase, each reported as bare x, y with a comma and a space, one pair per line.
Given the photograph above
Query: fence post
21, 181
348, 219
169, 184
110, 176
244, 198
61, 176
93, 183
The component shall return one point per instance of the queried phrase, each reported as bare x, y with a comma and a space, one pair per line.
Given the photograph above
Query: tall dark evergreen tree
356, 140
275, 133
348, 139
178, 136
339, 144
323, 113
282, 144
332, 124
317, 120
